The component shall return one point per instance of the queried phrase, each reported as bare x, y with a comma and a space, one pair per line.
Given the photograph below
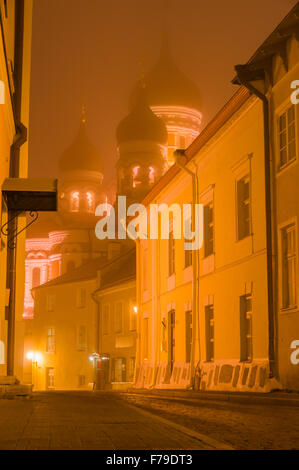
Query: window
119, 317
106, 319
50, 302
131, 369
289, 266
188, 253
243, 207
188, 325
209, 317
81, 297
287, 137
5, 9
171, 254
246, 327
50, 345
36, 277
90, 201
145, 338
209, 229
118, 369
82, 338
136, 177
152, 175
75, 201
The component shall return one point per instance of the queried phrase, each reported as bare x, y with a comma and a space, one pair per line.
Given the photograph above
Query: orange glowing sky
87, 51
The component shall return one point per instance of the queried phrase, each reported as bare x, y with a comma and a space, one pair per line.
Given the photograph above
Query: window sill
281, 170
293, 309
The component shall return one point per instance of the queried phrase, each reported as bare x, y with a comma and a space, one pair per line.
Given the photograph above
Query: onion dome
141, 123
81, 155
167, 85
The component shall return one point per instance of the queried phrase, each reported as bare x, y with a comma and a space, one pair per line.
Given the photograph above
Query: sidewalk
279, 398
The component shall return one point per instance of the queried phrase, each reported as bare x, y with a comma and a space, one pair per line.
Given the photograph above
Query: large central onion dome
141, 123
81, 155
167, 85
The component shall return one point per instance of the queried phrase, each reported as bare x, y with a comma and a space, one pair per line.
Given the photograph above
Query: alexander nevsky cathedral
164, 116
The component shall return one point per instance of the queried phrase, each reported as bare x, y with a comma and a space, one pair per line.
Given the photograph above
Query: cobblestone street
251, 425
74, 420
84, 420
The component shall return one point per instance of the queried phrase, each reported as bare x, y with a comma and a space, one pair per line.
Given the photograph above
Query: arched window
75, 200
36, 277
136, 176
152, 175
90, 201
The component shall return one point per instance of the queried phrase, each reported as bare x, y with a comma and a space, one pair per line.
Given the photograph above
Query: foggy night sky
88, 52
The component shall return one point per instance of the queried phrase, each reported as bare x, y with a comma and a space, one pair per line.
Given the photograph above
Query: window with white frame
287, 137
50, 344
106, 319
209, 321
243, 207
188, 331
246, 328
289, 266
118, 317
209, 229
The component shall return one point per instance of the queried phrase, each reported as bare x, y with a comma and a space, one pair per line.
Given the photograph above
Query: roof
112, 271
119, 270
167, 85
81, 155
275, 44
141, 123
85, 272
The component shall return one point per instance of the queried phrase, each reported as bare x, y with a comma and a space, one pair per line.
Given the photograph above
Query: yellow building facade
15, 65
229, 334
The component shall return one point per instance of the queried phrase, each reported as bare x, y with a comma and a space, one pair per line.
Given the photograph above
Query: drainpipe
19, 139
195, 328
241, 72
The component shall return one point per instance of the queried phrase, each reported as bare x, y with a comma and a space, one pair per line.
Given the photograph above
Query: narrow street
78, 421
124, 421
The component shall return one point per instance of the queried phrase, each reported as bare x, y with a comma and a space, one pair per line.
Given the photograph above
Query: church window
152, 175
136, 176
90, 201
75, 199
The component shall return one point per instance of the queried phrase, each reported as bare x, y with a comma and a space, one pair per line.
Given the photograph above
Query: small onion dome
141, 123
167, 85
81, 155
